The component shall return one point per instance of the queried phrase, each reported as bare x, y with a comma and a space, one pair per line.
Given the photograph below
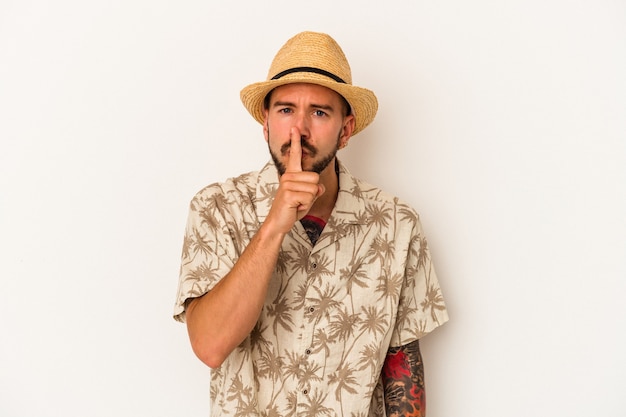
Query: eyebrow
314, 106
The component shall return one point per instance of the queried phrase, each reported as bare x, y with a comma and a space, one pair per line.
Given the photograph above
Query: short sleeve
421, 307
208, 252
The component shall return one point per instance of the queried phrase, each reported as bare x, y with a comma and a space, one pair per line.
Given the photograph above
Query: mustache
303, 143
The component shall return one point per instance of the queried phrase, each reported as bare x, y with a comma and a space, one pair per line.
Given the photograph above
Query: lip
286, 151
305, 154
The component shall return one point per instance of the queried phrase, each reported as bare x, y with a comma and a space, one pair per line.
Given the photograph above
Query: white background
502, 122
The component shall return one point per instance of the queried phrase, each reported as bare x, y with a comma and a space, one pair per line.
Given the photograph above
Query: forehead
314, 91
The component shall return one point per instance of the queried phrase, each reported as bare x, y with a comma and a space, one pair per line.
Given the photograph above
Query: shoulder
369, 195
376, 194
234, 190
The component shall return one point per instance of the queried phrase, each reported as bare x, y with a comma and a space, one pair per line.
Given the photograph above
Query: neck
324, 205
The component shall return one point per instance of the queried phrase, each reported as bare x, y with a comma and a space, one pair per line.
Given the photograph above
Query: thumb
321, 189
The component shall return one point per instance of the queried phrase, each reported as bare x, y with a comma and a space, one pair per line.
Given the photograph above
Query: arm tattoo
403, 381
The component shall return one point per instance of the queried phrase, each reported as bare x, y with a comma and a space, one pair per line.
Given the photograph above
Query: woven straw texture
315, 50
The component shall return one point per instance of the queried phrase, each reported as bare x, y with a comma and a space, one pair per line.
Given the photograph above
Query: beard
318, 165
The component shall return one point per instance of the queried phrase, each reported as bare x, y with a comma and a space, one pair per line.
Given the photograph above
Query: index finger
295, 152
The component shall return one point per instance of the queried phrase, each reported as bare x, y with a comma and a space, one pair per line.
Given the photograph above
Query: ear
346, 131
266, 129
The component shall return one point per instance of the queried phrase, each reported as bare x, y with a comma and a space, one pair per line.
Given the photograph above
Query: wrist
269, 233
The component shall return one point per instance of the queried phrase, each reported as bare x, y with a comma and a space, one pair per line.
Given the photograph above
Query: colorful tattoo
403, 380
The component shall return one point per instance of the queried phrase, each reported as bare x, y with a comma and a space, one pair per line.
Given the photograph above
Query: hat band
308, 69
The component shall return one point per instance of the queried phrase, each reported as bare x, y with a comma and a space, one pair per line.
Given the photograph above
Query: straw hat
315, 58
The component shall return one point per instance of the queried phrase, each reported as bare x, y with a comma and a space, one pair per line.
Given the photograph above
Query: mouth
307, 150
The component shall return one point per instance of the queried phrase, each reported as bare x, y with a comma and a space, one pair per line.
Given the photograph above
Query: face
319, 114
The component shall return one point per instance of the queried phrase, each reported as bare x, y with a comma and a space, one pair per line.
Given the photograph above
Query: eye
320, 113
285, 110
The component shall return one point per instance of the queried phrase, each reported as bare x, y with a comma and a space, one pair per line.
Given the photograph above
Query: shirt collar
349, 208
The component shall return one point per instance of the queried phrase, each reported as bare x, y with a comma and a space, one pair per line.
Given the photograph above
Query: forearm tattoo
403, 381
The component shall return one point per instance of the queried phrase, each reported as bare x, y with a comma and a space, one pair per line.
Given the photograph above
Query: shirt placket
310, 356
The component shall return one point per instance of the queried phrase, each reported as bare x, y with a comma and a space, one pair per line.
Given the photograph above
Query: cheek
270, 138
273, 127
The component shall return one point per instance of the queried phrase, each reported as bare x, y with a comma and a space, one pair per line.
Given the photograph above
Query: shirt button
313, 265
305, 392
308, 351
311, 309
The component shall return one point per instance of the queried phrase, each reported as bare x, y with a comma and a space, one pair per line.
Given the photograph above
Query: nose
302, 123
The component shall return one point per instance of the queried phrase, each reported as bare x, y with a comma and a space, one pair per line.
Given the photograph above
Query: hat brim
362, 101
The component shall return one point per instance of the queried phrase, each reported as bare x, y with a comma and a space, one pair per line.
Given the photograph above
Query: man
305, 289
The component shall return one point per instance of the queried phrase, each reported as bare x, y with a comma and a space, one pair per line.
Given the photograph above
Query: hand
297, 190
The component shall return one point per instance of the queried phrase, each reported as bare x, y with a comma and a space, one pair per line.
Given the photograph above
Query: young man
305, 289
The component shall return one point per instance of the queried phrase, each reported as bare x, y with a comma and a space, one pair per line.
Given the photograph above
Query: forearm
221, 319
403, 382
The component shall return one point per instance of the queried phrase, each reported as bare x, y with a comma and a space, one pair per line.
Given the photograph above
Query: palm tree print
333, 309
